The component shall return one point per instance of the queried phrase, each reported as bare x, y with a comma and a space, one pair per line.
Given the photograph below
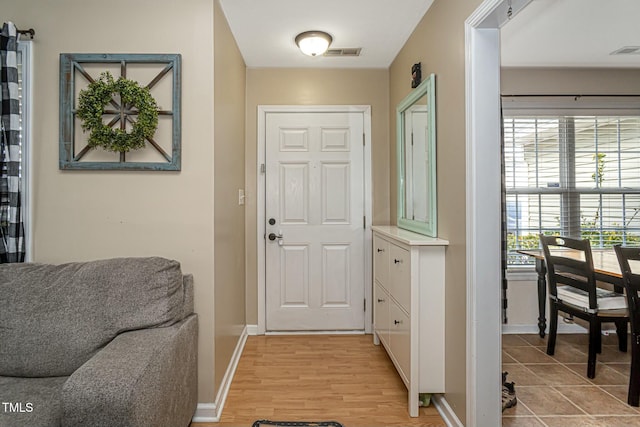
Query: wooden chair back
570, 262
631, 282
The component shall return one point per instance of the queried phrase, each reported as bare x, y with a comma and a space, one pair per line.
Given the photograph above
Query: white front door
314, 212
417, 163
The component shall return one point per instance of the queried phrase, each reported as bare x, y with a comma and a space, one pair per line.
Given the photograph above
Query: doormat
261, 423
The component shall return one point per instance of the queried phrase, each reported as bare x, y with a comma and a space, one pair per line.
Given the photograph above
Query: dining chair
573, 290
631, 282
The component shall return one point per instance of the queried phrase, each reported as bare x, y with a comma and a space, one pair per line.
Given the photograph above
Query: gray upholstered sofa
102, 343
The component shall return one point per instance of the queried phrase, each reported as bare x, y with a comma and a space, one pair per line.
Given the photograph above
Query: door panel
294, 276
336, 195
294, 200
315, 193
336, 276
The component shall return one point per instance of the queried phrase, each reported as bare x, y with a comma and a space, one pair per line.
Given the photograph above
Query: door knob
274, 236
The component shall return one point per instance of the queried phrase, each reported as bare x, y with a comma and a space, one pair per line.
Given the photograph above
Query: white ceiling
551, 33
572, 33
265, 29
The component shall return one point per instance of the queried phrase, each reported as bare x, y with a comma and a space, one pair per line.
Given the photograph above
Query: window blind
571, 174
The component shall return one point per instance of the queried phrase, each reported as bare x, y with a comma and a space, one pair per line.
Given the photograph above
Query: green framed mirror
416, 144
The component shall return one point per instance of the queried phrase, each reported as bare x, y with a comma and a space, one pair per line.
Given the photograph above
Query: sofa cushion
34, 402
53, 318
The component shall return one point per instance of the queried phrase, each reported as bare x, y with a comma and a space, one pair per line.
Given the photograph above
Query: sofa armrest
142, 378
187, 283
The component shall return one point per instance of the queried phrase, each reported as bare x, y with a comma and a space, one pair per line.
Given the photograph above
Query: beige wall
81, 215
569, 81
271, 86
229, 106
438, 43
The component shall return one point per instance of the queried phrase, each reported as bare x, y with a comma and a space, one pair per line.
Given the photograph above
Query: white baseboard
206, 413
211, 412
253, 330
563, 328
445, 411
354, 332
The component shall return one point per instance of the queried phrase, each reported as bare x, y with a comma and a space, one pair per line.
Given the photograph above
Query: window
574, 172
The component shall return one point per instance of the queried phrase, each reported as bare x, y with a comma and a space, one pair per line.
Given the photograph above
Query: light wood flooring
343, 378
554, 391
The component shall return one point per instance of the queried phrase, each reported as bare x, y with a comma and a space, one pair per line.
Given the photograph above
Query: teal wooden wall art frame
160, 73
416, 148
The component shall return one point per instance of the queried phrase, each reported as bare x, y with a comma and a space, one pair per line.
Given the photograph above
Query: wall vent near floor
627, 50
345, 51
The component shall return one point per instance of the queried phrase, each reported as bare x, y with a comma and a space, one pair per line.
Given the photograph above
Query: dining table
605, 265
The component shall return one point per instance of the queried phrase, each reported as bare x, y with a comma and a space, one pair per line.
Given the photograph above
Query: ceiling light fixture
313, 43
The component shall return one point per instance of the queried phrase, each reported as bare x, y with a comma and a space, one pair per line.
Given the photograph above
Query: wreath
134, 100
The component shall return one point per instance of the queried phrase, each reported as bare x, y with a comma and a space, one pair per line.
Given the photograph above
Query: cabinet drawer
400, 276
400, 340
381, 313
381, 261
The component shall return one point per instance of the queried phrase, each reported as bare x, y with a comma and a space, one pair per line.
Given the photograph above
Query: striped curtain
12, 243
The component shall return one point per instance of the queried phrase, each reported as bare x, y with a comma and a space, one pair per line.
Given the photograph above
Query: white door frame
484, 340
368, 199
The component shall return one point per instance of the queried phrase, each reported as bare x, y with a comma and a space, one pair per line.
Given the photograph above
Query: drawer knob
397, 322
397, 261
380, 300
380, 250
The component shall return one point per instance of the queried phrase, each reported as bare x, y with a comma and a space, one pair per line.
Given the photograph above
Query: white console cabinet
408, 312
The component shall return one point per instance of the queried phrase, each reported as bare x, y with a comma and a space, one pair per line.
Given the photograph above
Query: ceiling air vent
627, 50
347, 51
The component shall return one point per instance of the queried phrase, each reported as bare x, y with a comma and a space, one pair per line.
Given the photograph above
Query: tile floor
554, 391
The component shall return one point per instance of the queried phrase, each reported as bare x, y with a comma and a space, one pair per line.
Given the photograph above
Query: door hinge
364, 222
263, 168
365, 304
363, 139
412, 139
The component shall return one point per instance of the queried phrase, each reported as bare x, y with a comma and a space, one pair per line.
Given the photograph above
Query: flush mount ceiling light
313, 43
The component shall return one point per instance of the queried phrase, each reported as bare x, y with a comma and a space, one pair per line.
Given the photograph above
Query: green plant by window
134, 101
588, 227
